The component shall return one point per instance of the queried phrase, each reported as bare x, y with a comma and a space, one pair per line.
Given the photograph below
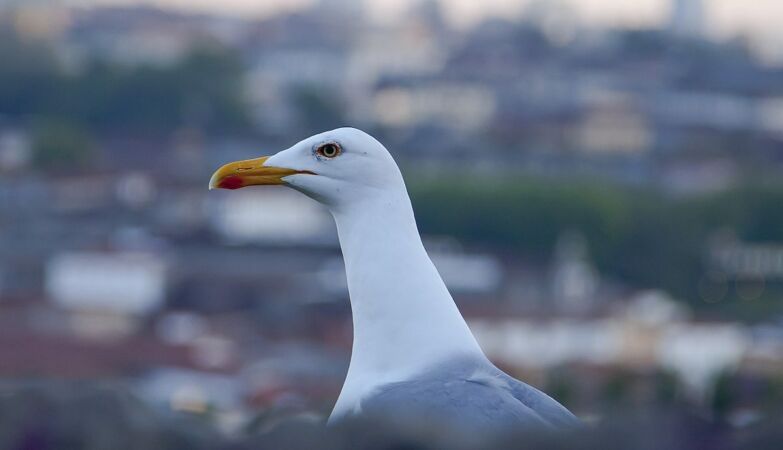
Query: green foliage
316, 108
528, 215
724, 395
561, 386
643, 237
26, 75
61, 145
753, 212
666, 388
773, 393
617, 391
202, 90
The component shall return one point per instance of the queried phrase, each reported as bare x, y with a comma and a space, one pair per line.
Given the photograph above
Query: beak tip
214, 182
249, 172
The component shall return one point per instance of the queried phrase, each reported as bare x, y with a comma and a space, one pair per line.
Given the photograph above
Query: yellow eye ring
329, 150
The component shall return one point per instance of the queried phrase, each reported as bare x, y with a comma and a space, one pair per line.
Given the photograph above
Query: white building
272, 216
119, 283
460, 106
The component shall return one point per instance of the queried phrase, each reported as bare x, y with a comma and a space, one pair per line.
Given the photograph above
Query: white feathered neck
404, 318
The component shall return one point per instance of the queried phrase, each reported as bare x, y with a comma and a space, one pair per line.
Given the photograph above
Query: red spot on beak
230, 182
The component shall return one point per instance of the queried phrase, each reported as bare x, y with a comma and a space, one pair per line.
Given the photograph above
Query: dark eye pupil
329, 150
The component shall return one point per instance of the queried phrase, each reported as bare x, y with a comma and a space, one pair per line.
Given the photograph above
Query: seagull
413, 354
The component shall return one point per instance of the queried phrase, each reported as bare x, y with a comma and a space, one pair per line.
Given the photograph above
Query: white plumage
412, 352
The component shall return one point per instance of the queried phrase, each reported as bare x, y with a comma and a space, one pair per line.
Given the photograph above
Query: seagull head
335, 168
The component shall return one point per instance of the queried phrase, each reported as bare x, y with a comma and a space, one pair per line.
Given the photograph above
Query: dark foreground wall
89, 418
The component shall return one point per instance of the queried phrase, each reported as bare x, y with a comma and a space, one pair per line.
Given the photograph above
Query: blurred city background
599, 184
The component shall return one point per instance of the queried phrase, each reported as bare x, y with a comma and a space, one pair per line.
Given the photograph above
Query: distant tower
687, 18
574, 280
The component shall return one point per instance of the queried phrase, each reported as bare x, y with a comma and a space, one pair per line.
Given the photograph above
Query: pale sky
762, 19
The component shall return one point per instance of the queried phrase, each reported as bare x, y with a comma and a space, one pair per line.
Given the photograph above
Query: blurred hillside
610, 195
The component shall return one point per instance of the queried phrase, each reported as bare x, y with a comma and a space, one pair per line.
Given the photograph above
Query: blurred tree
560, 385
616, 393
203, 90
317, 108
61, 145
666, 388
29, 75
643, 237
773, 394
724, 395
752, 211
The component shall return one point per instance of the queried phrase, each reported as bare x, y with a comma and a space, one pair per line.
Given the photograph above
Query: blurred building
687, 18
106, 293
116, 262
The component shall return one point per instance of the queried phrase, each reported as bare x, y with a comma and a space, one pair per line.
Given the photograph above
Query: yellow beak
250, 172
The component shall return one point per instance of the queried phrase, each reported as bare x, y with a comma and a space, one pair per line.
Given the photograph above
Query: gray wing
545, 406
469, 393
455, 402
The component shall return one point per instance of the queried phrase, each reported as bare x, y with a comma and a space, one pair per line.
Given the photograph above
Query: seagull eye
329, 150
